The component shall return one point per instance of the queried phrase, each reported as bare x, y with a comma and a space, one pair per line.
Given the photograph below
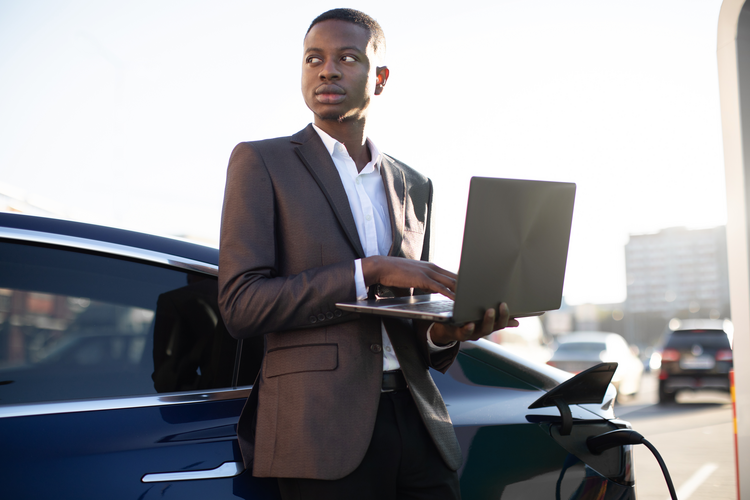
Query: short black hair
377, 37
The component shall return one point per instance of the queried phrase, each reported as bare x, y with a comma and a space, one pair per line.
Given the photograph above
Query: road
695, 437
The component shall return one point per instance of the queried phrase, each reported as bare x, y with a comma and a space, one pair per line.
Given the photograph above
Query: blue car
118, 380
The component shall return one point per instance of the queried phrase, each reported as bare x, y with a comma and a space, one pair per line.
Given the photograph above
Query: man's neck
352, 136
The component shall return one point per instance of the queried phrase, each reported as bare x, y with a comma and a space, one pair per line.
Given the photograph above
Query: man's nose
330, 71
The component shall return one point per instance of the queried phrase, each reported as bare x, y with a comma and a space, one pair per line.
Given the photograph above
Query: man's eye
348, 59
313, 59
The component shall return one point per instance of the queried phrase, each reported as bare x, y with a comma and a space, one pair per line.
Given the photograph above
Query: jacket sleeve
254, 297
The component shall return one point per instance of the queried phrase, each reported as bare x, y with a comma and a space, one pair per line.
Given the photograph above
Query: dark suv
697, 355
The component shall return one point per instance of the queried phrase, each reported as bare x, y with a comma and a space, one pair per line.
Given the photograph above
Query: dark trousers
402, 463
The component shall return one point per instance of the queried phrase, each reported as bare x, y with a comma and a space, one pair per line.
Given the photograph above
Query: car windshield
582, 347
707, 338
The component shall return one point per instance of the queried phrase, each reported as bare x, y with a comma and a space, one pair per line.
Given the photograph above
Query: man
323, 217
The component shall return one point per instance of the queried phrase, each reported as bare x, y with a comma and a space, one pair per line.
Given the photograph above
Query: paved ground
695, 438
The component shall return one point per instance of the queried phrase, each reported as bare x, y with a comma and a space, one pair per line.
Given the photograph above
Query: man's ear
382, 77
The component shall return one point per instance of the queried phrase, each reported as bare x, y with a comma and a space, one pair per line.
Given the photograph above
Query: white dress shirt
369, 206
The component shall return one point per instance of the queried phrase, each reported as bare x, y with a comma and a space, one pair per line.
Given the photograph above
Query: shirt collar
330, 144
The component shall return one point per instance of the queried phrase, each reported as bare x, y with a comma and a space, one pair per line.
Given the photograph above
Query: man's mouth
330, 94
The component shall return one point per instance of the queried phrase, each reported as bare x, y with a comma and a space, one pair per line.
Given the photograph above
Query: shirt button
359, 181
368, 218
388, 348
376, 348
321, 317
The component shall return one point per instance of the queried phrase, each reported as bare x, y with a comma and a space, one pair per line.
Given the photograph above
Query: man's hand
442, 333
408, 273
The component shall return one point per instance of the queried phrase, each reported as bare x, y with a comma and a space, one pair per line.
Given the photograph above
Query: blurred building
585, 317
678, 272
675, 273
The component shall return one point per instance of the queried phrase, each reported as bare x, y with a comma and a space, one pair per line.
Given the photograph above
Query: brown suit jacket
288, 245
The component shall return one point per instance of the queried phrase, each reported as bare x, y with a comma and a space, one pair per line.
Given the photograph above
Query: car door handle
227, 469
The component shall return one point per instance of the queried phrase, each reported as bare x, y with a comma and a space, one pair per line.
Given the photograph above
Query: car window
707, 338
78, 325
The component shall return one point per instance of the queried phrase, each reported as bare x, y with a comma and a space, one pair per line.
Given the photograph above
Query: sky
125, 113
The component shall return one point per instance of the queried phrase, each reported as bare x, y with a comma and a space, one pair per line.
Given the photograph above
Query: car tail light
670, 355
724, 355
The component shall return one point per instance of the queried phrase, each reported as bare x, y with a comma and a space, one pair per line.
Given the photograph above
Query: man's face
339, 75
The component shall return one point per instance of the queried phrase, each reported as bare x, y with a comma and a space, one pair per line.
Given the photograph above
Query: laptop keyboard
435, 306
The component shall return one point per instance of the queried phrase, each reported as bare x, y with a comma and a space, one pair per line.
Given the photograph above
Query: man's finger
447, 292
467, 331
488, 323
444, 272
447, 281
433, 286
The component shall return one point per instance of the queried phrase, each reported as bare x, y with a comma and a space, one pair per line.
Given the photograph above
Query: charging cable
619, 437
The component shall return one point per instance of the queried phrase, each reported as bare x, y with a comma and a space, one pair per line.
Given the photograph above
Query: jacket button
376, 348
329, 315
313, 319
321, 317
337, 313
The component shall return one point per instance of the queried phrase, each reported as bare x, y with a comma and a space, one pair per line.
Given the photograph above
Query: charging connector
620, 437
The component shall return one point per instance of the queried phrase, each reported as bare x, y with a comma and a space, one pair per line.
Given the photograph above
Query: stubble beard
350, 116
336, 117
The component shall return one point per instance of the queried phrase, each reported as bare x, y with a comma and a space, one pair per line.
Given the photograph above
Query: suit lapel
315, 157
395, 192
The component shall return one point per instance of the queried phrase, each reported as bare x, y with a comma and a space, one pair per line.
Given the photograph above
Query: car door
118, 378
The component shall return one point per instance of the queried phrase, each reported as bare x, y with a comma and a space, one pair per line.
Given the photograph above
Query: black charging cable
619, 437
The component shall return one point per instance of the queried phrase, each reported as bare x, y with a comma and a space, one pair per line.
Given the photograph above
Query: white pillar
733, 53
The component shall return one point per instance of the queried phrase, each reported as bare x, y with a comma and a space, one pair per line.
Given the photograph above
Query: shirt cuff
436, 348
359, 280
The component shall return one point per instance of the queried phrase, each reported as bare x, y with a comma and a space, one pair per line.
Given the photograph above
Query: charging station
733, 54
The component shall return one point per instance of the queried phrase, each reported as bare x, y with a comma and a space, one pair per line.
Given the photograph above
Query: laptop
515, 249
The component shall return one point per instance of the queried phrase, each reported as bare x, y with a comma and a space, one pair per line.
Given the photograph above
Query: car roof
29, 225
587, 337
698, 324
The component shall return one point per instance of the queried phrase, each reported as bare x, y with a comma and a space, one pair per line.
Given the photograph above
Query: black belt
393, 381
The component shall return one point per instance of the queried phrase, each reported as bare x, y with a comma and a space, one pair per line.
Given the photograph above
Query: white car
581, 350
